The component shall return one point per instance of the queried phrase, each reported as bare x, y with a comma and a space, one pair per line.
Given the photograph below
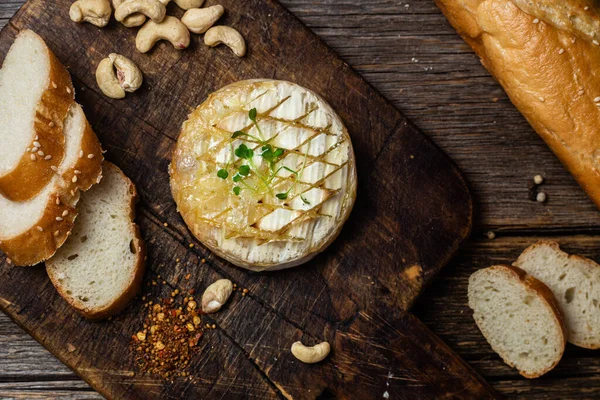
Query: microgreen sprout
270, 155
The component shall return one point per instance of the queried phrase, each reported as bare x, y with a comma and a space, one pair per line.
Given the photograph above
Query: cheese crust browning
256, 228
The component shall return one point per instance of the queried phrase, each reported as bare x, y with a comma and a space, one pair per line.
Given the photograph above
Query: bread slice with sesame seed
100, 267
32, 230
519, 317
575, 282
36, 94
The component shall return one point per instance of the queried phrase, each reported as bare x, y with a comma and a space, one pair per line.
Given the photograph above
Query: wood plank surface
414, 58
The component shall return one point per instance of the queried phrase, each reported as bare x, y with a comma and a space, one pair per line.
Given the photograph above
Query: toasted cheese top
264, 174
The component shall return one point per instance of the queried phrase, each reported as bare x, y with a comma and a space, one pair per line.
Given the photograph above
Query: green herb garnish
223, 174
270, 155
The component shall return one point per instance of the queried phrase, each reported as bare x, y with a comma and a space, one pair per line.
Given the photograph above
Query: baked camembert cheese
264, 174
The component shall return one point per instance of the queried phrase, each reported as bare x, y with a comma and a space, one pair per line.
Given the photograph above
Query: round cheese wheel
264, 174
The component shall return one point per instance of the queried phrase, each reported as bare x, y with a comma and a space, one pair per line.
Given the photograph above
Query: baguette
519, 317
575, 282
35, 96
100, 268
546, 56
31, 231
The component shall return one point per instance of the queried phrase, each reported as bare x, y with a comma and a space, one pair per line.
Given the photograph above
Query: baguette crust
547, 66
136, 277
35, 245
30, 177
542, 291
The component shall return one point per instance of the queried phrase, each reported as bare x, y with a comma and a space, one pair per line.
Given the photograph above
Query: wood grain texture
416, 60
394, 244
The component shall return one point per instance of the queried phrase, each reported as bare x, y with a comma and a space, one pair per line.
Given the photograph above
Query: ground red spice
169, 338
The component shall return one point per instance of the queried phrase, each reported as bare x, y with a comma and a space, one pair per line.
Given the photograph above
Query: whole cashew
96, 12
170, 29
311, 355
189, 4
128, 77
198, 20
134, 19
216, 295
228, 36
152, 9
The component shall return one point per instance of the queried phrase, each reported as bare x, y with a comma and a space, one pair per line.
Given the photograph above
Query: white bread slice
35, 96
31, 231
575, 282
100, 267
519, 317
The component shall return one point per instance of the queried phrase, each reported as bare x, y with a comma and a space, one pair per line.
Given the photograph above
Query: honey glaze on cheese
255, 228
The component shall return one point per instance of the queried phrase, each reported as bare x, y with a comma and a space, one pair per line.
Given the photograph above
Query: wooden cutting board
413, 211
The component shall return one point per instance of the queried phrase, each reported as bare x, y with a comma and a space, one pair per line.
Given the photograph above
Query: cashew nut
134, 19
228, 36
96, 12
152, 9
128, 77
189, 4
311, 355
170, 29
216, 295
198, 20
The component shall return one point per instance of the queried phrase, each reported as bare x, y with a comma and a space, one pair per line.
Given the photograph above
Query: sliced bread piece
35, 96
519, 317
31, 231
100, 267
575, 282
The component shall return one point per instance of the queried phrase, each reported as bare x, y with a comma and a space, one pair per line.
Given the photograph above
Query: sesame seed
56, 233
573, 40
58, 201
41, 153
51, 124
72, 192
491, 235
59, 219
561, 51
581, 93
90, 156
586, 8
54, 168
538, 179
536, 21
35, 149
68, 90
48, 157
542, 99
77, 172
541, 197
74, 180
33, 157
39, 228
65, 213
597, 99
37, 144
37, 137
28, 149
80, 153
596, 42
54, 85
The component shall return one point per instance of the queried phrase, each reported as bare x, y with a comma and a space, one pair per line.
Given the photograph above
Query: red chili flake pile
172, 329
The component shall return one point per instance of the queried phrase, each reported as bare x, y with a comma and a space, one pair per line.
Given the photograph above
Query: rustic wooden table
408, 51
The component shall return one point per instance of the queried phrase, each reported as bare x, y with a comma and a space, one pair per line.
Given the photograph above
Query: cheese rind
256, 229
